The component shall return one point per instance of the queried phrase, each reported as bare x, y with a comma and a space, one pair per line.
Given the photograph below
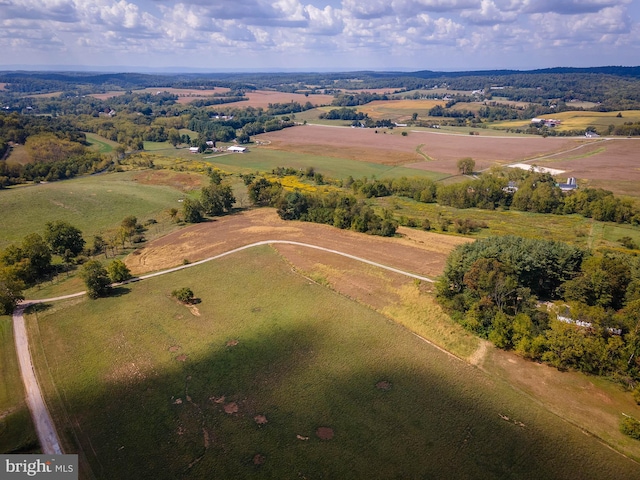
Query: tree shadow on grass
198, 417
118, 291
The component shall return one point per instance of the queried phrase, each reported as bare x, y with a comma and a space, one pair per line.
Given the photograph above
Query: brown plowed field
262, 98
610, 160
391, 148
422, 253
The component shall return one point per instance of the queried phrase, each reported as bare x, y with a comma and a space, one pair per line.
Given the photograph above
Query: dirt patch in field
260, 419
231, 408
182, 181
383, 385
389, 147
422, 253
182, 358
324, 433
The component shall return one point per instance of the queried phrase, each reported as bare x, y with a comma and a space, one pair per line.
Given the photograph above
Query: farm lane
287, 242
421, 253
45, 428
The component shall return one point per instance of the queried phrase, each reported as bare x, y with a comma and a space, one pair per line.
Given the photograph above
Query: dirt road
45, 429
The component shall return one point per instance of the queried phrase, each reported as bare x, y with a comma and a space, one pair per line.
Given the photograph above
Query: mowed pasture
100, 144
275, 376
92, 204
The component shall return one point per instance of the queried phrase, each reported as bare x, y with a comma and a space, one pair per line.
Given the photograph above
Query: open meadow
272, 375
94, 203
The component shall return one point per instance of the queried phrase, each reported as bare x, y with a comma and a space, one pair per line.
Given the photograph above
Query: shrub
631, 427
184, 295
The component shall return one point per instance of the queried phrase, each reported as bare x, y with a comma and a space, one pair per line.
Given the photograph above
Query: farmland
296, 362
391, 148
579, 120
93, 203
205, 380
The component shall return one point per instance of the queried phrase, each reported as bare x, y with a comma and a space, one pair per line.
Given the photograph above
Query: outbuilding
236, 149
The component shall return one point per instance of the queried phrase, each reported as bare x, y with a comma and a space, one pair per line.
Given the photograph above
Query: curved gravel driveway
45, 428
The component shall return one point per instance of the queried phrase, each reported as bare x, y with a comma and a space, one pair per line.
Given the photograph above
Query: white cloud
347, 31
489, 14
568, 7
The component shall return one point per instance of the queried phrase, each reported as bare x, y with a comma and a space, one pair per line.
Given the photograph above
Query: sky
318, 35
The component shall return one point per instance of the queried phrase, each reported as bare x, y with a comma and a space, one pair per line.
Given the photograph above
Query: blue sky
320, 34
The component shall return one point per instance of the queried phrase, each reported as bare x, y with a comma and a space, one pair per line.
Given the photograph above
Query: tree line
340, 210
549, 302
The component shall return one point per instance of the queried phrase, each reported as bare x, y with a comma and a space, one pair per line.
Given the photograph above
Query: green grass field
265, 160
140, 380
579, 120
92, 204
567, 228
100, 144
16, 430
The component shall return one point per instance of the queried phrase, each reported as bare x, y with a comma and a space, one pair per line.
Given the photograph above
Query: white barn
236, 149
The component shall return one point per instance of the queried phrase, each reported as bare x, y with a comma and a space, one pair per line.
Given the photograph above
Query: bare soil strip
45, 428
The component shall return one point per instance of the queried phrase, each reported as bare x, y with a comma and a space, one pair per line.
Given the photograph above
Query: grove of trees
495, 286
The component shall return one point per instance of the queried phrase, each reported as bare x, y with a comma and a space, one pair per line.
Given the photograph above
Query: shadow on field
17, 433
119, 291
250, 407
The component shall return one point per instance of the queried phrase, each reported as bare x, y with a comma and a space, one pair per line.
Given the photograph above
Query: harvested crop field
605, 159
398, 109
422, 253
438, 152
262, 98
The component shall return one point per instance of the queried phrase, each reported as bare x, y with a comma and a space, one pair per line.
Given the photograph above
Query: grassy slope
100, 144
336, 168
92, 204
17, 433
306, 357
